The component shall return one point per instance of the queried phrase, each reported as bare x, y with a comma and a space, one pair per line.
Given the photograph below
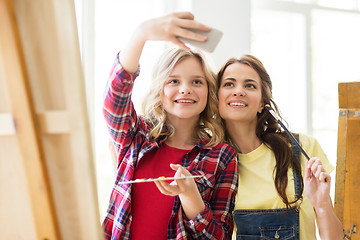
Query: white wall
233, 18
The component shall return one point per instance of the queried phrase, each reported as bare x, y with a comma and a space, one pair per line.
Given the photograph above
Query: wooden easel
47, 176
347, 190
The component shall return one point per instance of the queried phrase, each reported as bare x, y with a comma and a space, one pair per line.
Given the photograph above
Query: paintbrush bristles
272, 112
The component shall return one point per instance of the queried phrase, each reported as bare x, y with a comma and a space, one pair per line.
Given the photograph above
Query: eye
228, 84
250, 85
173, 81
198, 81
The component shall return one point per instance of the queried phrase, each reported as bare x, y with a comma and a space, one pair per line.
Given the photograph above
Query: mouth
185, 101
237, 104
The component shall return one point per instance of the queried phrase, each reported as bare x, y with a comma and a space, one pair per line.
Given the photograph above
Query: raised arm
118, 110
318, 191
166, 28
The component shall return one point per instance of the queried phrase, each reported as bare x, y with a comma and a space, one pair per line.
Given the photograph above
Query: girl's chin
236, 118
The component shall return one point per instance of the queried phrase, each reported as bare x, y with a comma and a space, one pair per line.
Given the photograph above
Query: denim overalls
259, 224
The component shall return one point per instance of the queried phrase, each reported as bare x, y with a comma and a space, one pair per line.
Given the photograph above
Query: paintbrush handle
271, 111
294, 139
142, 180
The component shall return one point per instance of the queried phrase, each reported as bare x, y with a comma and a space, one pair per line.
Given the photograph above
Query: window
309, 47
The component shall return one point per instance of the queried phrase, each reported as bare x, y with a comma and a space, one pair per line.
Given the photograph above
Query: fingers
161, 188
179, 43
180, 170
316, 169
173, 188
308, 174
168, 189
178, 25
175, 166
181, 31
178, 186
185, 26
186, 20
185, 15
325, 177
169, 28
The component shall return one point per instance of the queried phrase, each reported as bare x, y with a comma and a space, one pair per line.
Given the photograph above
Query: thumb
175, 166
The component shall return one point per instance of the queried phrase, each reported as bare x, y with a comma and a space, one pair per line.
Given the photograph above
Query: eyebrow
230, 78
194, 76
246, 80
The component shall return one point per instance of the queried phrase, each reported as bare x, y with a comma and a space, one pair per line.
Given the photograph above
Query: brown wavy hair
209, 129
268, 130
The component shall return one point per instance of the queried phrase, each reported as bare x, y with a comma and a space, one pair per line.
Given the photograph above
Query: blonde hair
209, 128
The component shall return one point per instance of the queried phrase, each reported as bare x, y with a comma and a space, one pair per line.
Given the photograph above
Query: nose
184, 92
239, 92
184, 89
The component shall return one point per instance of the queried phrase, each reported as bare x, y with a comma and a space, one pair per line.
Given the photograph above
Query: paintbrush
272, 112
142, 180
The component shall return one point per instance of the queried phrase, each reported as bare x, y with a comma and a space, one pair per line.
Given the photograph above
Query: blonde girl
177, 135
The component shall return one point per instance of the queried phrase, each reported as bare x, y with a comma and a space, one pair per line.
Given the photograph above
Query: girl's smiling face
185, 91
240, 97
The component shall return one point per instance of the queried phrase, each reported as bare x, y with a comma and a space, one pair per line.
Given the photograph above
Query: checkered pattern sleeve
216, 221
120, 115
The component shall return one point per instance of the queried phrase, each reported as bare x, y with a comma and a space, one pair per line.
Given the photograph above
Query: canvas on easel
47, 175
347, 191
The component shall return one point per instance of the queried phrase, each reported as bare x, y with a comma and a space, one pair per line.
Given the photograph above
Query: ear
261, 107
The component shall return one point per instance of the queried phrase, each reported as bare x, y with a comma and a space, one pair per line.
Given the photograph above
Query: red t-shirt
151, 210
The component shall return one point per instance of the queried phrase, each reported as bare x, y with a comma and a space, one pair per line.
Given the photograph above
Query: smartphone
213, 38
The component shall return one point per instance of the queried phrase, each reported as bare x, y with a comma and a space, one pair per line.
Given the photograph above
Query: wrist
192, 204
143, 32
320, 203
194, 199
139, 36
323, 208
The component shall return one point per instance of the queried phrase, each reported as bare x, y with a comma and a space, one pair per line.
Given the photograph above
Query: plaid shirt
130, 134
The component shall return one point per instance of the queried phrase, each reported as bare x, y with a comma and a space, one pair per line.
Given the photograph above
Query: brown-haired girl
270, 203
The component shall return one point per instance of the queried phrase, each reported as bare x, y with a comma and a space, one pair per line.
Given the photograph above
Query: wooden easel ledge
53, 122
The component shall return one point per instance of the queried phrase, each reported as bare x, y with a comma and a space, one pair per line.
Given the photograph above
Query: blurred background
307, 46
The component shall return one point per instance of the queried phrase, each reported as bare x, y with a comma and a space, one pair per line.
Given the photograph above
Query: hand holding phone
213, 38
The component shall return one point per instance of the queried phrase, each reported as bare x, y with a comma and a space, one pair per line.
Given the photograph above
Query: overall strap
297, 180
